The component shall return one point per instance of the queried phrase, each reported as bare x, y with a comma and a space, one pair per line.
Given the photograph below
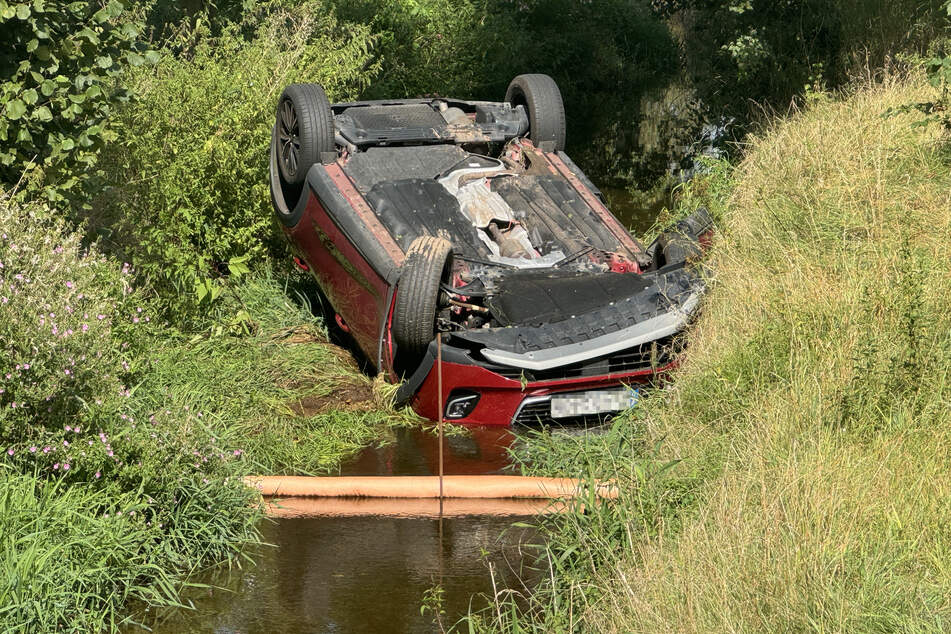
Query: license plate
592, 402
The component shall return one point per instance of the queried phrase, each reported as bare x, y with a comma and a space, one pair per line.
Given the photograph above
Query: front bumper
504, 398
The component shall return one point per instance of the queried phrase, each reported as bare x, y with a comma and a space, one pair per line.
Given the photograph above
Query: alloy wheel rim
289, 138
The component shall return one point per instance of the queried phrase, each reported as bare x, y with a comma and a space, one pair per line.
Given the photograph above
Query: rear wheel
541, 98
417, 295
305, 131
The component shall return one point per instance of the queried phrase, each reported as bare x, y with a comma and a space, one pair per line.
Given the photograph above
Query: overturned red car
467, 219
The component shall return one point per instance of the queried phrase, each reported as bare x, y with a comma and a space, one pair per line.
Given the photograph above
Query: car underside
461, 231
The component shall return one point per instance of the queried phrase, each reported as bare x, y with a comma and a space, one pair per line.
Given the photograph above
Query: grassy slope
812, 414
292, 401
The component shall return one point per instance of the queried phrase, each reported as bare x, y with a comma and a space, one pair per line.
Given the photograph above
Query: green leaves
238, 266
43, 114
207, 290
197, 212
939, 71
61, 75
15, 109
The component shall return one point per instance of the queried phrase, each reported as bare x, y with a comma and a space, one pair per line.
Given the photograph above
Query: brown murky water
415, 451
370, 573
361, 575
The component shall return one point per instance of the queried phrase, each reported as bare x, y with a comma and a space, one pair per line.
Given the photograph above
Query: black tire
285, 198
305, 131
417, 295
546, 111
674, 248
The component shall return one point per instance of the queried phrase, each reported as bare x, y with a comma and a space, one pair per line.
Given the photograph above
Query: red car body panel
357, 292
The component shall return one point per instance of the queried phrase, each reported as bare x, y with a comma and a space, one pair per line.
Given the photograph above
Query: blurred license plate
592, 402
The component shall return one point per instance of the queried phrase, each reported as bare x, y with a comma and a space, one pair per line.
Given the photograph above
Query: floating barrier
425, 508
427, 487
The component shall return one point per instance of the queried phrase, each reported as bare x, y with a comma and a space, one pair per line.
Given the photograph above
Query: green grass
70, 562
796, 476
279, 394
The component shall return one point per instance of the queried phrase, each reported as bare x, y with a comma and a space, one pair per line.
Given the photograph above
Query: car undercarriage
468, 220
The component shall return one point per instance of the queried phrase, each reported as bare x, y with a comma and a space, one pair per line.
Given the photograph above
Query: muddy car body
420, 216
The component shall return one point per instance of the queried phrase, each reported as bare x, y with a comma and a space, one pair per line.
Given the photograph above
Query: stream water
355, 573
637, 215
361, 574
358, 574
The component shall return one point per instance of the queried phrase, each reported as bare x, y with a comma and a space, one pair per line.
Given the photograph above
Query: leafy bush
58, 305
152, 492
59, 82
189, 185
938, 70
745, 58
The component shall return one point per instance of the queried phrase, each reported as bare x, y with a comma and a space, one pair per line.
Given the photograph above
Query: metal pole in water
440, 421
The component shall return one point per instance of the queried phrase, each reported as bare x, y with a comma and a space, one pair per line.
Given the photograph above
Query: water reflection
636, 213
415, 451
358, 574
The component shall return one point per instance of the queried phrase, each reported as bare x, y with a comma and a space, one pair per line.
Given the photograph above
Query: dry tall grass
816, 403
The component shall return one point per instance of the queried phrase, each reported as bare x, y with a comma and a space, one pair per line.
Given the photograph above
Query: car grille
653, 354
539, 413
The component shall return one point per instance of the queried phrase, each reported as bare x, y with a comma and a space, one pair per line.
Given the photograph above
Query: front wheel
417, 294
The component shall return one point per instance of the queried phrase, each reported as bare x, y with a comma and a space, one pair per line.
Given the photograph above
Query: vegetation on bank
153, 348
124, 441
794, 477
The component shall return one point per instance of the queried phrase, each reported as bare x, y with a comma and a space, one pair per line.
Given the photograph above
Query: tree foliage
60, 68
188, 200
744, 56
